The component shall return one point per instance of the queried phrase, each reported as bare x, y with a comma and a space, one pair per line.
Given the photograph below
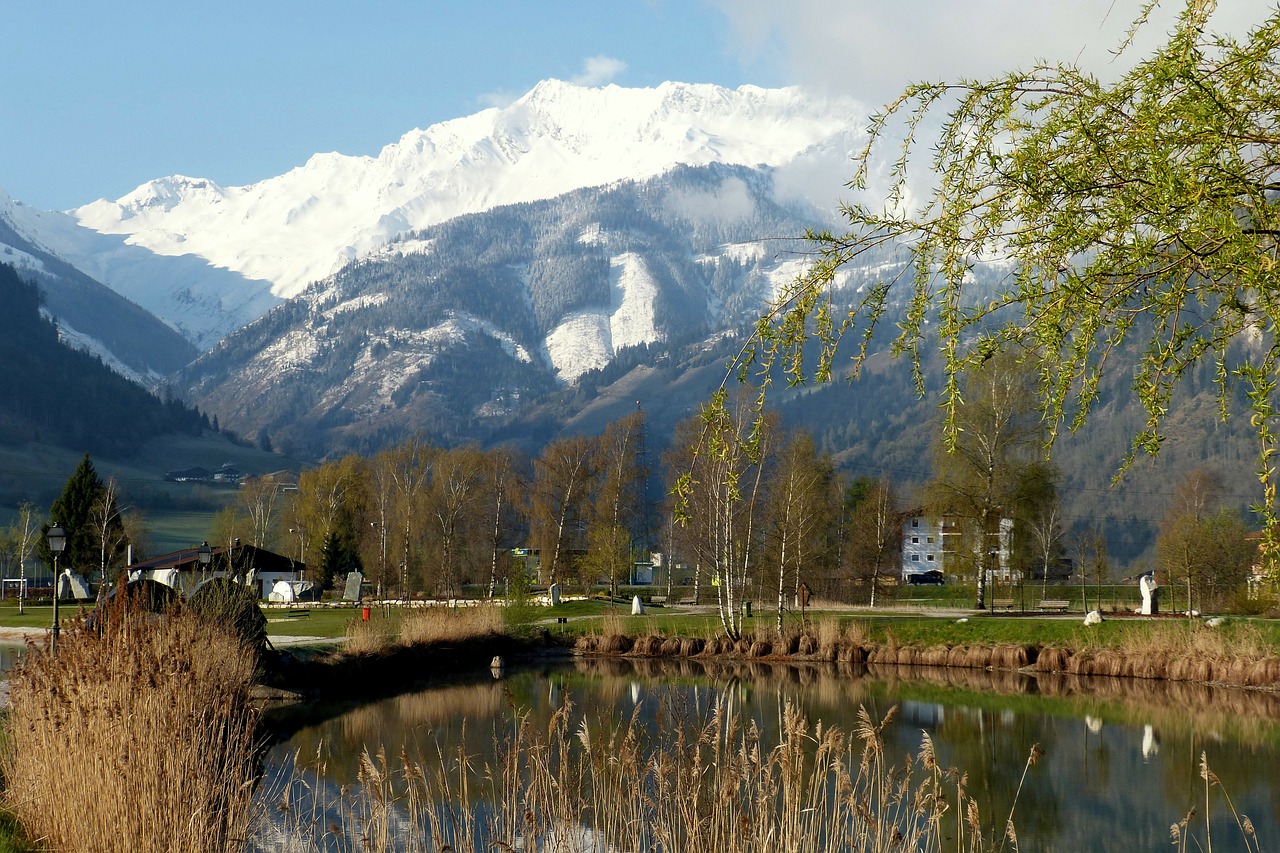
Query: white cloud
729, 202
599, 70
497, 99
874, 49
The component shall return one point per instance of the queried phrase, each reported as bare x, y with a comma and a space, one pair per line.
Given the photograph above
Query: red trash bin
364, 613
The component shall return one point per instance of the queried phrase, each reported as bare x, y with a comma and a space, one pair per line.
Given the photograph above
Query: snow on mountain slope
200, 301
588, 340
235, 251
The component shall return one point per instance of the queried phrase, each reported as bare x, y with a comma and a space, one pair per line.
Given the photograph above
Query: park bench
1002, 604
1060, 604
294, 613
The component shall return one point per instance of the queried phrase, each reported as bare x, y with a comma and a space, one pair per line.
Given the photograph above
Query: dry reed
697, 786
451, 624
368, 637
135, 737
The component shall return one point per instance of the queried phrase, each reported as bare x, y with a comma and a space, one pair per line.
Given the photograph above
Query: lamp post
57, 543
205, 555
382, 558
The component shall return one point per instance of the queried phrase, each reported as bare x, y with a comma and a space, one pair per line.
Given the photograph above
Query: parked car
933, 576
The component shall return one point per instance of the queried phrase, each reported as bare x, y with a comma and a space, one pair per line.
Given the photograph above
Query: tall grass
137, 737
709, 786
451, 624
426, 625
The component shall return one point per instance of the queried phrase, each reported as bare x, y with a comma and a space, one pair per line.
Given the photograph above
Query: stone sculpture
1150, 594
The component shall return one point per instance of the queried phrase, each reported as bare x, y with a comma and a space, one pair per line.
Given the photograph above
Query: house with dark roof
186, 571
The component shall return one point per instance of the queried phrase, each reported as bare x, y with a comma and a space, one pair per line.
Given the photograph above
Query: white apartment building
929, 543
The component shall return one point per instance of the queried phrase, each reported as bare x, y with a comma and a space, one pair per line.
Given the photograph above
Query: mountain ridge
209, 258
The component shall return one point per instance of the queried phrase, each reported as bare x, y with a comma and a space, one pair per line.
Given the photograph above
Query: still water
1121, 762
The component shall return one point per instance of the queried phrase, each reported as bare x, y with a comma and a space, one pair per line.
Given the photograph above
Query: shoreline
1253, 673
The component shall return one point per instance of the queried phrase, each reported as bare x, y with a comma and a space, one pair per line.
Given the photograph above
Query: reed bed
451, 624
697, 786
137, 736
424, 626
371, 637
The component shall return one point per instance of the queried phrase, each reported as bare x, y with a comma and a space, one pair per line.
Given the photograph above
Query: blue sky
96, 98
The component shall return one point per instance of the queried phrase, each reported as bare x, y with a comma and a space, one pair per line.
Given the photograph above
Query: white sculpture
637, 606
554, 594
282, 592
1094, 618
1150, 742
1150, 594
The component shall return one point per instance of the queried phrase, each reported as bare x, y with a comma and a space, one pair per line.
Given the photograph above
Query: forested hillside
53, 394
139, 343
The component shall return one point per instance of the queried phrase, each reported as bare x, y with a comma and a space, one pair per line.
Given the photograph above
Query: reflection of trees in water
1093, 779
461, 715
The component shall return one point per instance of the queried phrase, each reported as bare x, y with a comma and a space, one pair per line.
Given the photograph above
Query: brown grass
137, 738
368, 637
451, 624
426, 625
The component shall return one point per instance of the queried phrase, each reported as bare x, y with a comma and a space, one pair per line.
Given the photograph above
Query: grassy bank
1241, 653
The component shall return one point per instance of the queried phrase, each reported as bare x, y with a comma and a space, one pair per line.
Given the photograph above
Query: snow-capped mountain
460, 328
209, 258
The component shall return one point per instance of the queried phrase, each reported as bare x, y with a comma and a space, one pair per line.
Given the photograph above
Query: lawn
589, 617
912, 629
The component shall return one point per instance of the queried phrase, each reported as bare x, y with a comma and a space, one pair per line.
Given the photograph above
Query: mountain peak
282, 233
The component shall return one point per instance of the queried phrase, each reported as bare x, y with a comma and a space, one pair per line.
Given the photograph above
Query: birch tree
562, 478
618, 510
722, 497
798, 514
259, 497
874, 538
25, 534
108, 529
504, 481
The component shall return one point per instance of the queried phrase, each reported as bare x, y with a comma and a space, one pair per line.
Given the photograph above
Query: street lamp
382, 559
205, 555
57, 544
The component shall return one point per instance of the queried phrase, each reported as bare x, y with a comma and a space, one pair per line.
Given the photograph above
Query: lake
1121, 760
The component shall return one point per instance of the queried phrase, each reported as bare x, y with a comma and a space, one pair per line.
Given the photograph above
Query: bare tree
874, 534
258, 497
108, 530
502, 484
25, 535
1046, 532
409, 467
453, 495
1188, 550
382, 491
562, 478
797, 516
998, 430
618, 507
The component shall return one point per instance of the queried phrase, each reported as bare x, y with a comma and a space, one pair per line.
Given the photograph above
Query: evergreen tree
74, 510
338, 557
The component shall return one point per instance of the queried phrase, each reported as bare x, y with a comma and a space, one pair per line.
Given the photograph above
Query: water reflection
1120, 764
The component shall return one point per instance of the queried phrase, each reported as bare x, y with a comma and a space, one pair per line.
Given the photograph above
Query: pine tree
73, 509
